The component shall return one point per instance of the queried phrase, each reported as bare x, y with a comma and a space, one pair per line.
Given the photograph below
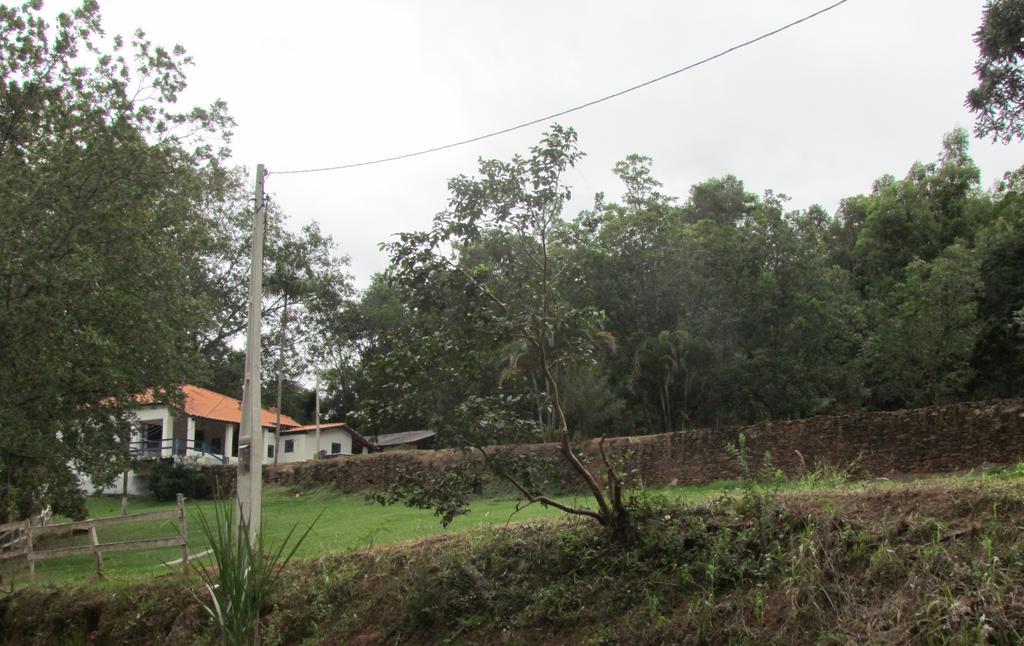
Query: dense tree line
726, 307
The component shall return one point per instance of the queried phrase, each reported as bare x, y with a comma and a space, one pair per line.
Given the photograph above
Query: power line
568, 110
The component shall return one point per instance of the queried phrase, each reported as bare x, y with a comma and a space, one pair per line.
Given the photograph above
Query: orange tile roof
200, 402
323, 427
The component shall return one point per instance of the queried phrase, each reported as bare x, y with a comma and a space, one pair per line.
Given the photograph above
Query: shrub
243, 574
166, 480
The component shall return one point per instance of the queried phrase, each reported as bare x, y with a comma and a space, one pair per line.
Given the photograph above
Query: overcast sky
817, 112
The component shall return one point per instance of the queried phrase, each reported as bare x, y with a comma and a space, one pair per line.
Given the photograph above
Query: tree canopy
105, 186
124, 238
726, 307
998, 100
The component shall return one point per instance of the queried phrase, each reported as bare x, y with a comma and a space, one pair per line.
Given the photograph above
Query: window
335, 447
152, 436
270, 450
215, 445
289, 446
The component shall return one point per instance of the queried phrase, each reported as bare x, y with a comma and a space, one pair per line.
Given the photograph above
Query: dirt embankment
883, 564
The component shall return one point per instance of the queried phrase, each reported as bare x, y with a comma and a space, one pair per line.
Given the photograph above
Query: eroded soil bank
920, 562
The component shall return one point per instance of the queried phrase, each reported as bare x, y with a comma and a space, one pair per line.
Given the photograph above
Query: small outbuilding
338, 438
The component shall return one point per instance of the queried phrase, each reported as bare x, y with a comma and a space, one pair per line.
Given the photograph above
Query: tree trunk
280, 368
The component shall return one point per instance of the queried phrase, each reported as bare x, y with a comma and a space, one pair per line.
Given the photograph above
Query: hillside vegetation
934, 561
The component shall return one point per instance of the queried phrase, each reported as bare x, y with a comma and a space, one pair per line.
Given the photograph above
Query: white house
300, 443
204, 427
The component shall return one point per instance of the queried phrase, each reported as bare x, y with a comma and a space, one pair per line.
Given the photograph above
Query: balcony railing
170, 447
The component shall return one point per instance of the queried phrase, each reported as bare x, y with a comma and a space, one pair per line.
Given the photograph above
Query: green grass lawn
348, 522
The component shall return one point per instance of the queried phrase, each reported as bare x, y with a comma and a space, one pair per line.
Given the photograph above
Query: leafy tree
426, 346
919, 353
998, 100
106, 183
725, 308
305, 277
592, 407
998, 360
630, 263
797, 320
919, 216
519, 204
656, 368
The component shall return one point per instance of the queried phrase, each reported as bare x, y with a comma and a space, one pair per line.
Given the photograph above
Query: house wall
303, 447
339, 435
137, 483
305, 444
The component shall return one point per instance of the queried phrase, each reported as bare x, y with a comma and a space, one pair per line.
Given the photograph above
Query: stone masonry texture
875, 444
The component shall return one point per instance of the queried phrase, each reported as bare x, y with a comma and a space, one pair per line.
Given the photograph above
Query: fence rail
10, 535
31, 532
172, 446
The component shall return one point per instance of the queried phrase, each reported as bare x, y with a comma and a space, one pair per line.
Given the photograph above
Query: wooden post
95, 542
124, 494
183, 530
28, 552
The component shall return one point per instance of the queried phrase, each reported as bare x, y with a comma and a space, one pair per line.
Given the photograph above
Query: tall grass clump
242, 574
760, 487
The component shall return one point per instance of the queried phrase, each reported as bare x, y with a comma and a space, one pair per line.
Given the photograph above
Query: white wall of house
333, 436
301, 445
137, 484
304, 444
268, 441
333, 441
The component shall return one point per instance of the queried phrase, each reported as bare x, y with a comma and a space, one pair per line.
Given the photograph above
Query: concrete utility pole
250, 436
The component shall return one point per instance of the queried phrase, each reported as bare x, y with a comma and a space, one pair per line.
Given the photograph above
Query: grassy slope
348, 522
940, 561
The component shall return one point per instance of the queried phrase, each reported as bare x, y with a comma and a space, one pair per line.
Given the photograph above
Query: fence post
124, 494
95, 541
28, 552
183, 530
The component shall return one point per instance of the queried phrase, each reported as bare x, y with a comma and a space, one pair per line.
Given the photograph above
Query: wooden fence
28, 534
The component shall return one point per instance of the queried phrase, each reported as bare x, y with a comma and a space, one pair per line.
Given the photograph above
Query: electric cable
561, 113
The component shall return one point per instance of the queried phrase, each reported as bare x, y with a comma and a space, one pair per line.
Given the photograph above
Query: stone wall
921, 441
